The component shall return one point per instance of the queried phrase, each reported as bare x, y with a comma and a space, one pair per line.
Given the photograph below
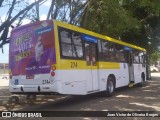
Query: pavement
156, 74
5, 95
4, 80
147, 99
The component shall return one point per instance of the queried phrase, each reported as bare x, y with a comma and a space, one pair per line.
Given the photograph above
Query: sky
4, 57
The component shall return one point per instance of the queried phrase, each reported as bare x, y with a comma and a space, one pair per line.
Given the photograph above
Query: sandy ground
136, 99
4, 81
5, 96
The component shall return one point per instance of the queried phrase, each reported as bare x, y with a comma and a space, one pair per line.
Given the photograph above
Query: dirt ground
146, 98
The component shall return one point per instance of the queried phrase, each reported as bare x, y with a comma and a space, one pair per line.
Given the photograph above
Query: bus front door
91, 62
130, 66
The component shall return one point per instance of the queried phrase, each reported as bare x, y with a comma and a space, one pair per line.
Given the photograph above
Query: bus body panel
122, 78
138, 70
71, 76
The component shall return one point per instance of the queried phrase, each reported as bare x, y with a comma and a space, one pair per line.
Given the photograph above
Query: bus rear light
52, 73
53, 67
10, 74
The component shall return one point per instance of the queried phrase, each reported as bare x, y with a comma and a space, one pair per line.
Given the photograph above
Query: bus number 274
74, 65
45, 82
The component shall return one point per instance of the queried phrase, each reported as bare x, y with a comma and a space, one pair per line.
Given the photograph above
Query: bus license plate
29, 76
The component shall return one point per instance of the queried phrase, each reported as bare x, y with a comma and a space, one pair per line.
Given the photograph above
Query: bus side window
126, 54
109, 51
106, 55
67, 50
141, 57
136, 58
66, 46
71, 43
103, 50
100, 54
65, 37
77, 42
119, 53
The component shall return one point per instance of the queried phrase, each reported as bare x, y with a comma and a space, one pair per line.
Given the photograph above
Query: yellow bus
55, 57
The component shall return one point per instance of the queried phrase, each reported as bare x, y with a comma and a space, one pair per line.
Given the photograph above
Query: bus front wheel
110, 87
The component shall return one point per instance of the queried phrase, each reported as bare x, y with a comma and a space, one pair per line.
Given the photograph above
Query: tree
132, 21
108, 18
18, 10
69, 11
155, 57
147, 12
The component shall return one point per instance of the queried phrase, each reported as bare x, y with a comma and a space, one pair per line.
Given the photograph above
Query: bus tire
14, 99
110, 87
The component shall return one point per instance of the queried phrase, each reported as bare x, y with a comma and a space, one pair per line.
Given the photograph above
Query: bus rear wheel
14, 99
110, 87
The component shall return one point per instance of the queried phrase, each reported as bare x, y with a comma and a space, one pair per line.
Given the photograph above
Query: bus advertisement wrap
32, 49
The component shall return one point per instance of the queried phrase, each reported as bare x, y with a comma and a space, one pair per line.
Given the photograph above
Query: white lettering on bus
25, 46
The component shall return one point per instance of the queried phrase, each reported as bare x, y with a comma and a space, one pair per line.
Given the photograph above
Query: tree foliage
133, 21
155, 56
109, 18
69, 11
18, 10
64, 10
147, 12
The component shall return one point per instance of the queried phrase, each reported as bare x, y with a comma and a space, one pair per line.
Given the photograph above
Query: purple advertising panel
32, 49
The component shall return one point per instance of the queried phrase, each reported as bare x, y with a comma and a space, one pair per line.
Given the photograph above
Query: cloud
4, 56
31, 1
47, 3
2, 18
43, 17
26, 21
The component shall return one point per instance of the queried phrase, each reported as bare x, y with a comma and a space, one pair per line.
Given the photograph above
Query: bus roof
78, 29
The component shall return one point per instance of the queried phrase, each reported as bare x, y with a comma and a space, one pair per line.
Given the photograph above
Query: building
4, 68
